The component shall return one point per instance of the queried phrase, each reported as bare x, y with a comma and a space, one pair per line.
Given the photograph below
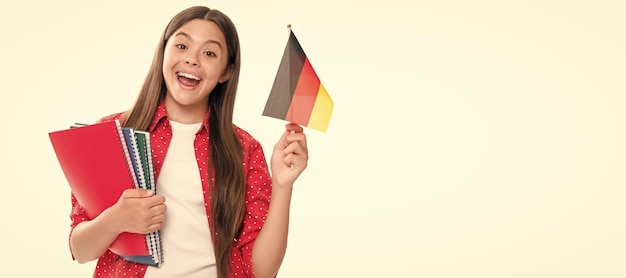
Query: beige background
470, 138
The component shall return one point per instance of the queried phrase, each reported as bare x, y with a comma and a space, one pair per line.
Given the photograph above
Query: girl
213, 208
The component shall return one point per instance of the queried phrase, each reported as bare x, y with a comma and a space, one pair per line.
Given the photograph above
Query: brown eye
181, 46
209, 53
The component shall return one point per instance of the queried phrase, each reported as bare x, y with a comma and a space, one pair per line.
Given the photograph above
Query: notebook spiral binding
131, 171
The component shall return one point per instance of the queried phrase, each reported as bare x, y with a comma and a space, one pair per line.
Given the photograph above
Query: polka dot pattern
257, 198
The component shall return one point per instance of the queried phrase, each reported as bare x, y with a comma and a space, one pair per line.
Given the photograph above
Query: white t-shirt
185, 235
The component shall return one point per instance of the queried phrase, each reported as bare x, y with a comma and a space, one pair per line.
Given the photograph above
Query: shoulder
112, 117
245, 138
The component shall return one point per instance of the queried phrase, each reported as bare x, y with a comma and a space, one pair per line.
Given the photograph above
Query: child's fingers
297, 146
293, 132
294, 128
136, 193
296, 161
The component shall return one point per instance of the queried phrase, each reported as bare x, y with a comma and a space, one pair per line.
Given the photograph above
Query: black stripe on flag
286, 79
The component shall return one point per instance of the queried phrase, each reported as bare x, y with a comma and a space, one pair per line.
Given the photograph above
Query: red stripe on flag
304, 96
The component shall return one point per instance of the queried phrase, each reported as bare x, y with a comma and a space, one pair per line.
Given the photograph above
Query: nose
191, 61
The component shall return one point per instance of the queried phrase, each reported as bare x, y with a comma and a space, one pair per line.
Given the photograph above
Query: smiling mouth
188, 79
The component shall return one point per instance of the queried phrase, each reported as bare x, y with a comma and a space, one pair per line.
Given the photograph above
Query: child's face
194, 60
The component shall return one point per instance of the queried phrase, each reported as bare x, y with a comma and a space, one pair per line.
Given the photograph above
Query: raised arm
289, 159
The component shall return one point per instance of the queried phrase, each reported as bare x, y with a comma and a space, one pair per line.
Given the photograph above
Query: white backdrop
469, 139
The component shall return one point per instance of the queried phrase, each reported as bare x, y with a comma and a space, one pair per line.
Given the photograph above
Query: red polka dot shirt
258, 194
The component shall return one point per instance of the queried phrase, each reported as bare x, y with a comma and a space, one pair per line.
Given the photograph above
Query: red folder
96, 164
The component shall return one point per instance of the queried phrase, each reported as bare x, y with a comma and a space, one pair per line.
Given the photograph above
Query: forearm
271, 243
90, 239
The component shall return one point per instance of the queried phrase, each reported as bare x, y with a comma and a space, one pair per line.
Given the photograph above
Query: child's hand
290, 156
138, 211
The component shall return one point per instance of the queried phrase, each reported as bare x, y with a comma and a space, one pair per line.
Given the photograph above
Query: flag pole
292, 131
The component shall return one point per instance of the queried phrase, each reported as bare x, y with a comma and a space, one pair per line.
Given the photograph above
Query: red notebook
97, 166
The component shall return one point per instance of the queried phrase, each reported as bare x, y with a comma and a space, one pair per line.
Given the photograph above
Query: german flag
297, 95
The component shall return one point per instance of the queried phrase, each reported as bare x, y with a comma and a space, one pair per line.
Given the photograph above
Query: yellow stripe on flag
322, 110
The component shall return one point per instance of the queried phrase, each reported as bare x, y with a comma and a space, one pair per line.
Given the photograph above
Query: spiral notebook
100, 161
138, 143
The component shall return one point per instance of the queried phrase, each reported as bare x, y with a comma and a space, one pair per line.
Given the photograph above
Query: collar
161, 114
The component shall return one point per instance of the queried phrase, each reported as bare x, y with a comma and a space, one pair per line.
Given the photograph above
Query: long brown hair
226, 155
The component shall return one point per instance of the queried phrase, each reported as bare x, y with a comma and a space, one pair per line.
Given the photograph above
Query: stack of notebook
102, 160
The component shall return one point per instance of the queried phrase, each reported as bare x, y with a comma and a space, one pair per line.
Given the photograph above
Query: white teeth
187, 75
